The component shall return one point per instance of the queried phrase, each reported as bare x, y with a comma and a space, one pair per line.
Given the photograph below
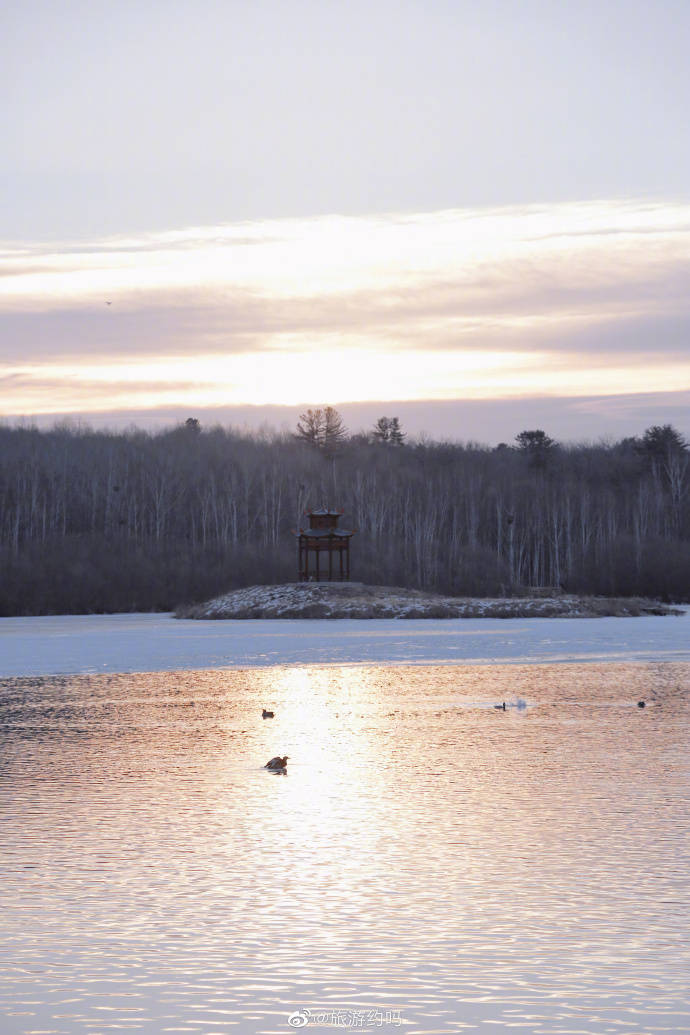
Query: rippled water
428, 863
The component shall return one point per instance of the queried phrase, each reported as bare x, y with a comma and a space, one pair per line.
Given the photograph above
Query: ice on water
149, 643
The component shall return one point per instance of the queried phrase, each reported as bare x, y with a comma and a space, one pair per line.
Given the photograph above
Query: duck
641, 704
501, 707
266, 715
277, 763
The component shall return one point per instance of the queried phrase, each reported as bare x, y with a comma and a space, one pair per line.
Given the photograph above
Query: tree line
95, 521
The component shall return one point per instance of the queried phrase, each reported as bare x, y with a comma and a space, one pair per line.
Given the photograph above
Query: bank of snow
356, 600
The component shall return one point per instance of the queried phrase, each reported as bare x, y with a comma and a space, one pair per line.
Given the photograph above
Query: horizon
357, 421
475, 215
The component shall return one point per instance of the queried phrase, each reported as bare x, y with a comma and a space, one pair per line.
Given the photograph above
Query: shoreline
333, 600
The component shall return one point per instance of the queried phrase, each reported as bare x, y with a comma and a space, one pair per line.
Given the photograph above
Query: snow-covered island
357, 600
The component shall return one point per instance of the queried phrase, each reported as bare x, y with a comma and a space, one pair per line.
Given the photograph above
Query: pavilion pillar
321, 535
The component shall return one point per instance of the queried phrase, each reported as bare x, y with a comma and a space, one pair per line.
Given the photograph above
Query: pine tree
387, 429
310, 427
334, 431
395, 433
537, 445
323, 428
382, 429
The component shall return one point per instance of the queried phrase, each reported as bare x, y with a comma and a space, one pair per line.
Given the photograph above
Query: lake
428, 863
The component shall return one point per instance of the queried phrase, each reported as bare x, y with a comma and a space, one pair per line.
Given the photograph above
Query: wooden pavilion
323, 548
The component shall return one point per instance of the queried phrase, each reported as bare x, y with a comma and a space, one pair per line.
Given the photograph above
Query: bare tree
101, 521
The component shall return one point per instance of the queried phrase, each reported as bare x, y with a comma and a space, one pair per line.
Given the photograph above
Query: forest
99, 521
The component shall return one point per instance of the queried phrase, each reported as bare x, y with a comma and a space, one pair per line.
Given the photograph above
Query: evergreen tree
382, 430
310, 427
323, 428
537, 445
387, 429
396, 435
662, 442
334, 432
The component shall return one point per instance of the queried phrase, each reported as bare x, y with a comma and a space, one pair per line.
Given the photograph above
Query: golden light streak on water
461, 867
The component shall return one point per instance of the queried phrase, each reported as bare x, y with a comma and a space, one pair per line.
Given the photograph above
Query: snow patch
357, 600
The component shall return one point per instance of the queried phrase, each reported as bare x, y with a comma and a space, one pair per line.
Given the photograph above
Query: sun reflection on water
425, 852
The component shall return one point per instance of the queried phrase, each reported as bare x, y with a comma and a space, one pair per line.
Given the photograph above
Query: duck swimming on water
501, 707
277, 763
266, 715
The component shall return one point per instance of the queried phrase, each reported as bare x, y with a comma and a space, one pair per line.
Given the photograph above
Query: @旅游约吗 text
345, 1018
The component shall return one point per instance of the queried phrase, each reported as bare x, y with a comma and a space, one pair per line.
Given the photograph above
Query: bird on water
501, 707
266, 715
640, 704
277, 763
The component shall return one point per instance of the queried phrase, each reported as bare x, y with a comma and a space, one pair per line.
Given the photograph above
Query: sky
475, 216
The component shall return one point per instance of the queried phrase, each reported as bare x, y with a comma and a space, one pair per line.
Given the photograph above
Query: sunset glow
563, 300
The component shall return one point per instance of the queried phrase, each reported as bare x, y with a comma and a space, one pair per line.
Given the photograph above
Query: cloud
463, 302
69, 394
106, 331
